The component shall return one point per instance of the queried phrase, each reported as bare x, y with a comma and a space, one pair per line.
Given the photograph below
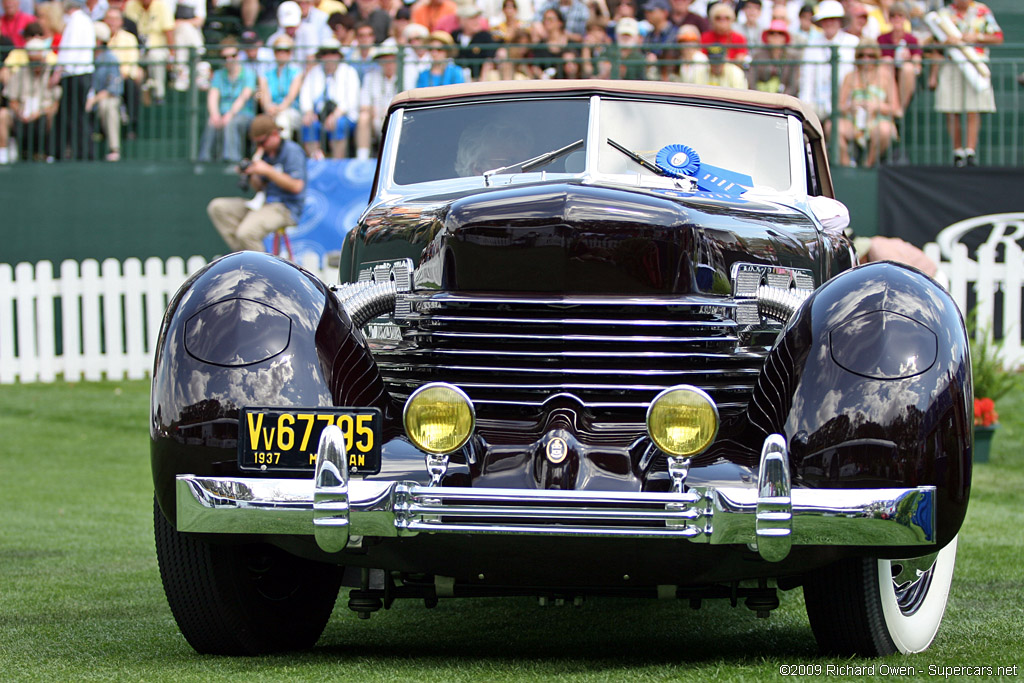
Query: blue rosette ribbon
678, 160
681, 161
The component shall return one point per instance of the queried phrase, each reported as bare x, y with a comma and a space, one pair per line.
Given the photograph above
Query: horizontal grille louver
612, 355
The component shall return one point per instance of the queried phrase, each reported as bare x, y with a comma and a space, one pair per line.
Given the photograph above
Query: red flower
985, 414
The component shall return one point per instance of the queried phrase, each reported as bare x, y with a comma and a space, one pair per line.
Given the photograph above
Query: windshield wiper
638, 159
530, 164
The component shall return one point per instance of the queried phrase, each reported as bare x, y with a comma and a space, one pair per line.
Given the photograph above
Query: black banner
972, 205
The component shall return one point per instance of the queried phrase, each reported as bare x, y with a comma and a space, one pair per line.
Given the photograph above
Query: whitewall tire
913, 610
870, 608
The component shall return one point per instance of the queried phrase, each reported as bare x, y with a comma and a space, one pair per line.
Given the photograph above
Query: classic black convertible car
591, 338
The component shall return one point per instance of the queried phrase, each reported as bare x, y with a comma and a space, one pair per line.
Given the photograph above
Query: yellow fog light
439, 418
682, 420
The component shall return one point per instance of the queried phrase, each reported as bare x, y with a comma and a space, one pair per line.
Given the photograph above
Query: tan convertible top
711, 93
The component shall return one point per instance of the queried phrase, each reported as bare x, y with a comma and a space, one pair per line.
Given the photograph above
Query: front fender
248, 329
870, 382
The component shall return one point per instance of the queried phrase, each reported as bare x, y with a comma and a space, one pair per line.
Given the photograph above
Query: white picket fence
987, 277
93, 321
109, 314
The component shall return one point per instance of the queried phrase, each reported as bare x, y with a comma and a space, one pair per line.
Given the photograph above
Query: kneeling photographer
278, 168
329, 102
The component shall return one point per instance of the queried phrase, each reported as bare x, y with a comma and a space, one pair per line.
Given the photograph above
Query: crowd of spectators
326, 69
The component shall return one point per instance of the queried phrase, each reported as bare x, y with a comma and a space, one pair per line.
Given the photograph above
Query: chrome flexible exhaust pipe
364, 301
780, 303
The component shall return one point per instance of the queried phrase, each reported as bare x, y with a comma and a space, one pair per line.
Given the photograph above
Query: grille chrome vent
613, 354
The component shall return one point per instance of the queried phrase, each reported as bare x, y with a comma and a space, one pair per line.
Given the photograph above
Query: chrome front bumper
771, 517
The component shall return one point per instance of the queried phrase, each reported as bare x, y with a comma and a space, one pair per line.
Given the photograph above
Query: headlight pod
237, 332
682, 421
883, 345
439, 418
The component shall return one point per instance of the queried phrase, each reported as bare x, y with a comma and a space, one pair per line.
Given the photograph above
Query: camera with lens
327, 110
243, 181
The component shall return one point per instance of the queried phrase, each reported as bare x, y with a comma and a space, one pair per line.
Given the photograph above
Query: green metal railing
168, 125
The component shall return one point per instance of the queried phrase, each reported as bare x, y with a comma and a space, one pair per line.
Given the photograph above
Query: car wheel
872, 608
243, 599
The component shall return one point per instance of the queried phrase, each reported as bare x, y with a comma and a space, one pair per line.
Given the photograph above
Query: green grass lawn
80, 596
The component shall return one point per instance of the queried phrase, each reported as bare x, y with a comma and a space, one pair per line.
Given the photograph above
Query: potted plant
992, 381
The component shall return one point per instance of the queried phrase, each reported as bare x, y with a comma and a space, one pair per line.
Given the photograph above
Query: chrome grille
612, 354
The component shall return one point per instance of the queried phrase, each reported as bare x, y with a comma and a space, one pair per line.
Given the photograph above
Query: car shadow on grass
601, 633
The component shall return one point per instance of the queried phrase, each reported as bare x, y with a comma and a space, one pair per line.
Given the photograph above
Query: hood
585, 239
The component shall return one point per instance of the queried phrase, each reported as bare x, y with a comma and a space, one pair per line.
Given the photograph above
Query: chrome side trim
834, 516
727, 515
257, 506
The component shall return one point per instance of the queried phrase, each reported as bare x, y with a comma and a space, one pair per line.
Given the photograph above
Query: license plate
282, 439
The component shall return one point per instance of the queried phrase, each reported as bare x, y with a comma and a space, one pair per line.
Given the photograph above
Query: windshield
752, 144
467, 140
501, 141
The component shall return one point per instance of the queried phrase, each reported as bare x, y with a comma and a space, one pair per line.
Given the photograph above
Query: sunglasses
229, 55
869, 55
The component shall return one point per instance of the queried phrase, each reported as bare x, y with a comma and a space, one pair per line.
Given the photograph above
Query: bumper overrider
771, 517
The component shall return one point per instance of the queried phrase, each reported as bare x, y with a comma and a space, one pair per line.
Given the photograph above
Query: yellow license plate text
289, 431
